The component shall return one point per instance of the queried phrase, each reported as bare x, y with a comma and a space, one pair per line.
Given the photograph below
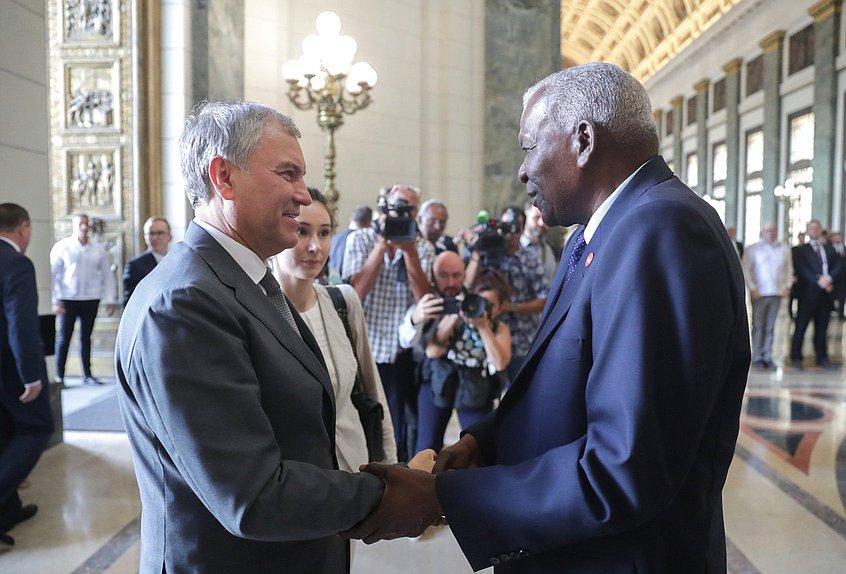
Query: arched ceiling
640, 36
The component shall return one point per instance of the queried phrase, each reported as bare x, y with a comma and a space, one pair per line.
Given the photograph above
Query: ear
220, 175
586, 142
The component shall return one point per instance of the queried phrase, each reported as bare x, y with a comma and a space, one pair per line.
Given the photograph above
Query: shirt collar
243, 256
12, 243
599, 214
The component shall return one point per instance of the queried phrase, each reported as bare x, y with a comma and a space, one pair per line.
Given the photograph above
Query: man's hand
30, 393
110, 309
409, 505
58, 309
446, 328
423, 460
429, 307
754, 294
466, 453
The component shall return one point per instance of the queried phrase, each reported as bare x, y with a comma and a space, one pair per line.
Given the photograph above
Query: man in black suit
817, 268
157, 236
24, 404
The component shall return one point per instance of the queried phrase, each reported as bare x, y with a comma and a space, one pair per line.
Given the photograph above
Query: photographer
389, 267
522, 270
466, 348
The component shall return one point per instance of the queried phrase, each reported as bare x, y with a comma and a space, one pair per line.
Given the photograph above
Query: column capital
677, 102
657, 114
824, 9
702, 86
733, 66
772, 42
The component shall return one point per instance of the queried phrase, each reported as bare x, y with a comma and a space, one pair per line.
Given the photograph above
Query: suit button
495, 561
504, 557
522, 553
514, 555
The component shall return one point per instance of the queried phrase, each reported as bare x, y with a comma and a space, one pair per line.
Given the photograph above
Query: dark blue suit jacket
808, 267
135, 270
21, 349
612, 446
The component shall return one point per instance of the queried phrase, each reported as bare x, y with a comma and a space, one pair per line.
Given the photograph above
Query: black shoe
24, 513
759, 364
825, 364
769, 365
91, 381
798, 365
6, 542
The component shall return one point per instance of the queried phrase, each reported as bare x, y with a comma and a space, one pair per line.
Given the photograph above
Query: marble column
534, 25
658, 117
678, 122
773, 54
701, 88
826, 16
734, 193
217, 50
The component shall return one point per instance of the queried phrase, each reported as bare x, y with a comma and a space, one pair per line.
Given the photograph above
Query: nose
521, 173
301, 195
313, 244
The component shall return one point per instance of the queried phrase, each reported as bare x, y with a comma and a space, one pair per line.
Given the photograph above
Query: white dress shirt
768, 268
82, 272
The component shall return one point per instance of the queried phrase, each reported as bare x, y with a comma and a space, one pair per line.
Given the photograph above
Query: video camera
472, 306
491, 243
398, 225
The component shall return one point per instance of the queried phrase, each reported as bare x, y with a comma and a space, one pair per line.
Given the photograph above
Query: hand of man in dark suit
408, 507
466, 453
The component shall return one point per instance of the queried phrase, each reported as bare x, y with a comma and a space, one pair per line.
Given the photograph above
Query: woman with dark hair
296, 269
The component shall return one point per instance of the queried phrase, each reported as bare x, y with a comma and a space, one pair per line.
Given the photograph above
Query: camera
472, 306
398, 224
491, 243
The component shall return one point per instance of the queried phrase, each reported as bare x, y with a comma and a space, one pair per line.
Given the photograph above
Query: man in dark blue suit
610, 450
817, 268
24, 404
157, 236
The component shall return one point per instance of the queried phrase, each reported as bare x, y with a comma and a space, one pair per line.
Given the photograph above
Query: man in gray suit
225, 397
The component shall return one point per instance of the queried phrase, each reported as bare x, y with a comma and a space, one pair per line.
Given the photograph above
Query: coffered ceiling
640, 36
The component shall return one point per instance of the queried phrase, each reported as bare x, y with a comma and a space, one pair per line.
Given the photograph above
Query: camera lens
473, 306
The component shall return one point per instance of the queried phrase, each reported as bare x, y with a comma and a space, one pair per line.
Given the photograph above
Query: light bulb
309, 65
352, 85
346, 46
312, 45
328, 23
292, 70
318, 82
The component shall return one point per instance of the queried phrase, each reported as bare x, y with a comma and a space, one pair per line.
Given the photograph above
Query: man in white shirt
768, 270
82, 277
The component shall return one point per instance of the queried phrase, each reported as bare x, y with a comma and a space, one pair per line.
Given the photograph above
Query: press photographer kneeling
467, 347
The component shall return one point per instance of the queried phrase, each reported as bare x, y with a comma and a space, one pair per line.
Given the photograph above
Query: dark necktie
277, 297
575, 255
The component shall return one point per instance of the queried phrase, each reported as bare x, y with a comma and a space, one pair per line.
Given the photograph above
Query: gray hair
429, 204
230, 130
603, 94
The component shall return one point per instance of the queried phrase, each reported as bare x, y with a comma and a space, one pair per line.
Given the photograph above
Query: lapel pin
589, 259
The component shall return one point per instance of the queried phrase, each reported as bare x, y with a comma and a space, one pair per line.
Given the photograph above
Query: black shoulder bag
369, 410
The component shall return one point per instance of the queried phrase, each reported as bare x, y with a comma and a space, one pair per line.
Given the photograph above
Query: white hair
603, 94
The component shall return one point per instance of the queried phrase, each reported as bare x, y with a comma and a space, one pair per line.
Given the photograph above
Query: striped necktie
277, 297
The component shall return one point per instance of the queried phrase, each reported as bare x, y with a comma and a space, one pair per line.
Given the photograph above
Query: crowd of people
266, 359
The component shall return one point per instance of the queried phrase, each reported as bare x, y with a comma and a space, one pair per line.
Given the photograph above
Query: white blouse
328, 330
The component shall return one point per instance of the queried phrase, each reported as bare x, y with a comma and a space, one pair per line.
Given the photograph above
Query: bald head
449, 273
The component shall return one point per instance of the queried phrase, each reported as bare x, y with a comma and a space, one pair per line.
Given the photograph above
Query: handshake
410, 503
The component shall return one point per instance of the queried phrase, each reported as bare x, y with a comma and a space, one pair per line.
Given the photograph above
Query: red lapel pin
589, 259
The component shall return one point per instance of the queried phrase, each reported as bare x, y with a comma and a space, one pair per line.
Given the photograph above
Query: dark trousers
432, 420
398, 382
86, 312
819, 310
26, 429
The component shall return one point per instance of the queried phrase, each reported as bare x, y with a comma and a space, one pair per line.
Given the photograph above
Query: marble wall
522, 45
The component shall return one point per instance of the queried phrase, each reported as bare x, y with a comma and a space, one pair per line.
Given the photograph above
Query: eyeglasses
155, 233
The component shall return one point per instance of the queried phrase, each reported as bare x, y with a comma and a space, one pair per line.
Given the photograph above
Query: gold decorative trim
702, 86
772, 42
677, 102
733, 66
824, 9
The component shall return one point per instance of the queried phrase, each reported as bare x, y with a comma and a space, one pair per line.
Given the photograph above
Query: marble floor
785, 498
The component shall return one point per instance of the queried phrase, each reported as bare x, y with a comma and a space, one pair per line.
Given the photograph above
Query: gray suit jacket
231, 420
